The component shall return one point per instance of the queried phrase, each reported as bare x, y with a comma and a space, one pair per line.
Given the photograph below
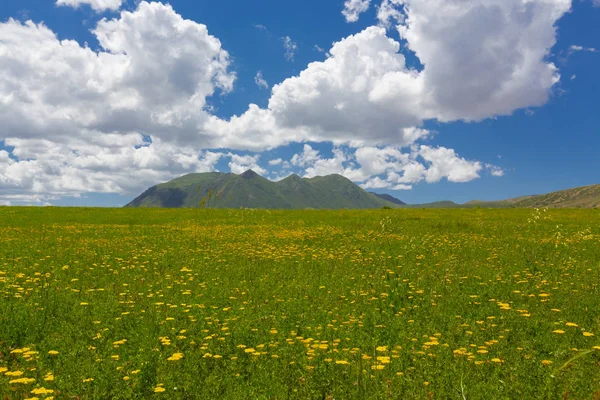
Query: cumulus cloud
97, 5
389, 12
114, 164
375, 183
138, 105
364, 90
141, 81
445, 163
466, 80
392, 167
74, 115
307, 157
353, 9
276, 161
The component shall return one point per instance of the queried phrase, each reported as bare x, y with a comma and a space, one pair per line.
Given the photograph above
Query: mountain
251, 190
389, 198
579, 197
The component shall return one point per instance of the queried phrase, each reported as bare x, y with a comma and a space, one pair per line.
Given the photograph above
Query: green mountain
250, 190
389, 198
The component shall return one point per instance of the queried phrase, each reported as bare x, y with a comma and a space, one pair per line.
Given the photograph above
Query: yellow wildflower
175, 357
24, 381
42, 391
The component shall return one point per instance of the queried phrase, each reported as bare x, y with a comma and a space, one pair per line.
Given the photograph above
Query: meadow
248, 304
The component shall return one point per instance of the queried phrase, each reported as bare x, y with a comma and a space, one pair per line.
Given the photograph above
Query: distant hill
250, 190
579, 197
389, 198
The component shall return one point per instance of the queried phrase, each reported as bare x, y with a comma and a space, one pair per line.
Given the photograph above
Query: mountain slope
251, 190
580, 197
389, 198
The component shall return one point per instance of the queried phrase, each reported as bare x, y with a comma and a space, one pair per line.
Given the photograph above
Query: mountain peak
249, 174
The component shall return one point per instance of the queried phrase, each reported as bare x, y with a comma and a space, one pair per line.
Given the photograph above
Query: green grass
317, 295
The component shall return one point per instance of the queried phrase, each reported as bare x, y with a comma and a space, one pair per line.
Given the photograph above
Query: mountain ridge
250, 190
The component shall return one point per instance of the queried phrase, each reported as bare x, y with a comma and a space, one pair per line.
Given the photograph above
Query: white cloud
412, 172
389, 11
390, 167
276, 161
307, 157
464, 80
260, 81
141, 81
128, 166
495, 170
74, 115
581, 48
353, 9
402, 187
445, 163
376, 161
155, 71
375, 183
290, 48
97, 5
364, 91
328, 166
5, 157
240, 164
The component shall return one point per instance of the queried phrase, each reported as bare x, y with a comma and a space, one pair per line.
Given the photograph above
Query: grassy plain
242, 304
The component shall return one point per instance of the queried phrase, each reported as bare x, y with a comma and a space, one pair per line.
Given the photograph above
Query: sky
426, 100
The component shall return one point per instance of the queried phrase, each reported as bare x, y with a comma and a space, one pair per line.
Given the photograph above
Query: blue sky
103, 109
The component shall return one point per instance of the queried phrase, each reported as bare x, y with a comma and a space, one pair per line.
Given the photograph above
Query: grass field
243, 304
